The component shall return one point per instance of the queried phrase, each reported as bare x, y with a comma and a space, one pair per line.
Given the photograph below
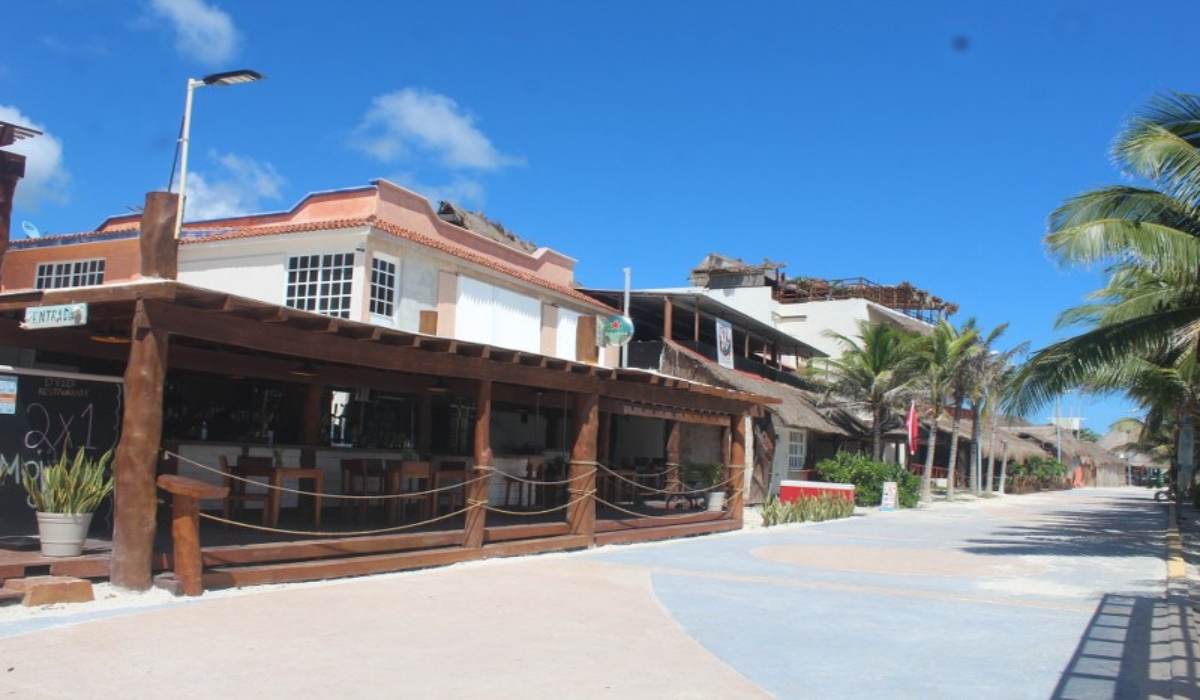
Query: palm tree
1149, 240
985, 369
941, 355
997, 381
872, 375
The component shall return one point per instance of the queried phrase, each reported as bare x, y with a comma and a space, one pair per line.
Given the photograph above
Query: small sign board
617, 330
8, 394
888, 502
60, 316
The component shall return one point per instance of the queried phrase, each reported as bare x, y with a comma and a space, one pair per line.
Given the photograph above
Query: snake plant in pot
65, 495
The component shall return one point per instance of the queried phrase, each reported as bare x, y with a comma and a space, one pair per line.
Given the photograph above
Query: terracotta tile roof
201, 233
69, 238
198, 234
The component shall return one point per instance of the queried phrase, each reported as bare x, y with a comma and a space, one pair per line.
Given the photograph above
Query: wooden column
137, 455
581, 492
159, 249
736, 469
668, 313
673, 453
12, 169
696, 324
477, 492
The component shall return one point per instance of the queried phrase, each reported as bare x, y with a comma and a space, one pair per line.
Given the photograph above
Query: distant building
806, 308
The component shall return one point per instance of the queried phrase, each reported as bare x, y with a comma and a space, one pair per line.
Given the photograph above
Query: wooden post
186, 495
581, 492
668, 321
12, 169
736, 470
159, 248
696, 324
137, 455
477, 493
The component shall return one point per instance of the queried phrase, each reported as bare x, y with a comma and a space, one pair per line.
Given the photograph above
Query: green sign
617, 330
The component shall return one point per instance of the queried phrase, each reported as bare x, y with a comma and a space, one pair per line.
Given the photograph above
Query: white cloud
240, 187
202, 32
408, 120
46, 178
462, 190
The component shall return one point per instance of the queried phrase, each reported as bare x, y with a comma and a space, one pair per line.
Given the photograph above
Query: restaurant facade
357, 333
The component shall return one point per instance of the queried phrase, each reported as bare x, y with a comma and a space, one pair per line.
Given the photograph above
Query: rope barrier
565, 506
333, 533
403, 495
665, 491
576, 496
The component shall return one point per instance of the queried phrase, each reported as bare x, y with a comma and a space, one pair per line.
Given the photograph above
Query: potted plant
66, 494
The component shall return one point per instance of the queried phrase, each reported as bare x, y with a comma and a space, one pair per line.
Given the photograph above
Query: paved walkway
1042, 596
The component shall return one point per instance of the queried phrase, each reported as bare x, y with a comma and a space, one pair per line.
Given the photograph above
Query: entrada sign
59, 316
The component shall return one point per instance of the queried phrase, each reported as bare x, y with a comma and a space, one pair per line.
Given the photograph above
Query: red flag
913, 426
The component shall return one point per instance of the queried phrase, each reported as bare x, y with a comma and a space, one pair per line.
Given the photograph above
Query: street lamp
232, 77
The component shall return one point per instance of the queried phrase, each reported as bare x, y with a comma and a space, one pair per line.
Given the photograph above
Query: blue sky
898, 141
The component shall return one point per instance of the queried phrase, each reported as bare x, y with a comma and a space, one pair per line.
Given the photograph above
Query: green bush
868, 478
805, 509
1038, 474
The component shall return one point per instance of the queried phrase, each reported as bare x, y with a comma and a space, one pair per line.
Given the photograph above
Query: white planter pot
716, 500
63, 534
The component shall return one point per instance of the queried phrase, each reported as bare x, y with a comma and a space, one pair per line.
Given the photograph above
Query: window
79, 273
321, 283
383, 289
795, 452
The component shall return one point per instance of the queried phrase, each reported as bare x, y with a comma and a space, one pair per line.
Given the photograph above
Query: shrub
868, 478
1038, 474
805, 509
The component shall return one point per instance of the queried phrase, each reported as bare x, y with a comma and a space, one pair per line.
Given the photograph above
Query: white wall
257, 267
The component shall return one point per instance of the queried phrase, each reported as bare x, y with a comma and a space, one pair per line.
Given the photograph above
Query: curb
1180, 621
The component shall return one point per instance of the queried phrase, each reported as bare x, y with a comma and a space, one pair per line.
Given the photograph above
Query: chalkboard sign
41, 415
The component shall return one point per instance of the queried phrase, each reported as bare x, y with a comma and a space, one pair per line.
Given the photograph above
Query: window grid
383, 287
321, 283
74, 273
795, 451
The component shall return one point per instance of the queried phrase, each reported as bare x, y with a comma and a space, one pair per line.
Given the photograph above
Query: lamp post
232, 77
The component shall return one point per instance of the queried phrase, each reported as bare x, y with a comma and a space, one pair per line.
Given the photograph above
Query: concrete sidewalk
1048, 595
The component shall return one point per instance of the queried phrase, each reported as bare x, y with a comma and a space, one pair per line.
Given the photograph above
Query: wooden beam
286, 340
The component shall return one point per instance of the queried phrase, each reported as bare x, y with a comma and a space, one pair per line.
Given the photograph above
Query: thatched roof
476, 222
1019, 449
1073, 449
797, 408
